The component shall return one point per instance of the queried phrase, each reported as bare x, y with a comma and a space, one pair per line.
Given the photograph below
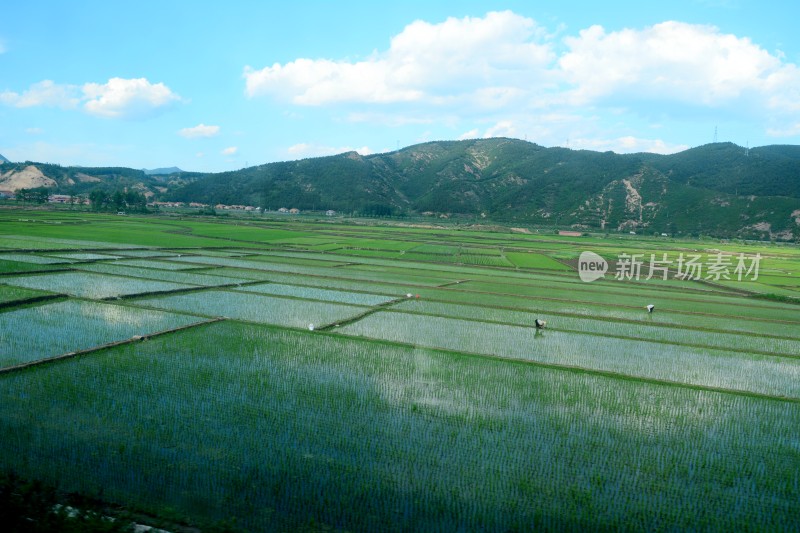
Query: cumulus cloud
127, 98
502, 68
118, 98
231, 150
628, 144
672, 61
44, 93
201, 130
425, 62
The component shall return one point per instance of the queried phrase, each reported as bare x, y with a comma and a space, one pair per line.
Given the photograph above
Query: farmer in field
539, 323
650, 308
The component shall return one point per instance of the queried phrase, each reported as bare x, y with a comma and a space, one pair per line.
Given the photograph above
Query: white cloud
628, 145
231, 150
304, 150
201, 130
426, 62
118, 98
503, 68
34, 131
671, 61
127, 98
44, 93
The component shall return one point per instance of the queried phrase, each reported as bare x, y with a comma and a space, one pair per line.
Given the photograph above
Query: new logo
591, 266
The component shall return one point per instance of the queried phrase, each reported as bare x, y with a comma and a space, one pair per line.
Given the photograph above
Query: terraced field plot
423, 399
256, 308
75, 325
91, 285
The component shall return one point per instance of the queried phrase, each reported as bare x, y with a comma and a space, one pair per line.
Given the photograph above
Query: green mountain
84, 180
717, 189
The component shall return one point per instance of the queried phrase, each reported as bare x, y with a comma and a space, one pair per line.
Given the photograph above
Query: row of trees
101, 200
38, 195
129, 200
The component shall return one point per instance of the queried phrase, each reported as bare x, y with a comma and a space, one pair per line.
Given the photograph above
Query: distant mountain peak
161, 171
3, 159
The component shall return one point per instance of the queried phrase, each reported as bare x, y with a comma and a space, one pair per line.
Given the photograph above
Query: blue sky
215, 86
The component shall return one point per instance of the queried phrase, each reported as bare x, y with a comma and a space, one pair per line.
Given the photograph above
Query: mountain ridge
718, 189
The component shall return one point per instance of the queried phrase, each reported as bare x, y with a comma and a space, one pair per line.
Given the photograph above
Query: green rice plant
434, 249
386, 289
534, 260
484, 260
741, 341
9, 294
16, 267
91, 285
612, 311
282, 429
34, 259
708, 304
779, 376
155, 264
27, 242
190, 278
52, 329
144, 253
302, 261
314, 293
256, 308
84, 256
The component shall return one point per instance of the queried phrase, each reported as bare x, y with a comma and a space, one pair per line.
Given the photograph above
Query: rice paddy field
303, 375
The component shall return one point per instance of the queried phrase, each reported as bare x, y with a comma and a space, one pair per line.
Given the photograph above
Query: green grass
70, 326
445, 412
10, 294
259, 308
91, 285
529, 260
280, 430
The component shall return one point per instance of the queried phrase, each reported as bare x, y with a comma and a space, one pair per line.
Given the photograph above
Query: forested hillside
718, 189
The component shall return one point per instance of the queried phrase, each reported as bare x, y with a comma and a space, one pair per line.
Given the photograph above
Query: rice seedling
34, 259
84, 256
599, 325
190, 278
9, 294
153, 263
256, 308
314, 293
52, 329
91, 285
778, 376
278, 429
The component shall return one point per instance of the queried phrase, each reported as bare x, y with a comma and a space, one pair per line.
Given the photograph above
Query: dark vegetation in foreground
31, 506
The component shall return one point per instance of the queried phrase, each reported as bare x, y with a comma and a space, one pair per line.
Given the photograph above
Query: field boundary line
632, 321
135, 338
585, 302
356, 318
33, 300
585, 370
626, 337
